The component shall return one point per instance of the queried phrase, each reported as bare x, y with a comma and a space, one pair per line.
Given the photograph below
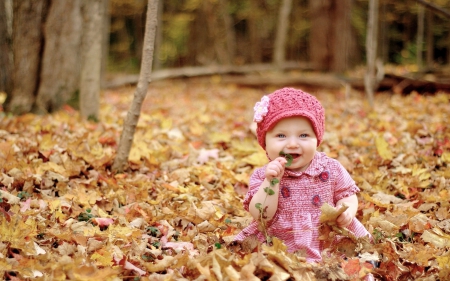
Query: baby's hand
275, 169
345, 218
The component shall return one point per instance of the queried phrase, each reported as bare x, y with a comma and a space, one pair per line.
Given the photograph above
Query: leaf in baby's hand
330, 214
258, 206
269, 191
274, 181
288, 157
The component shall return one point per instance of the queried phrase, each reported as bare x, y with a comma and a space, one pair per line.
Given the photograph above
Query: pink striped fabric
301, 195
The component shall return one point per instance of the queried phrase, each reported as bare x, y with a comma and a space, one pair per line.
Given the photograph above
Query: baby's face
294, 136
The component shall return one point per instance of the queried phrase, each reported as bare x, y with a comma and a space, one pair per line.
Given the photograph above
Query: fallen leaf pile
173, 213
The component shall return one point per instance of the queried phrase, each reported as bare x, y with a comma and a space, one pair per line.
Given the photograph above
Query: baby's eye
304, 135
281, 136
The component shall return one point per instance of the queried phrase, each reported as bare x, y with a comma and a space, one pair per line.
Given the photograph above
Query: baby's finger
281, 160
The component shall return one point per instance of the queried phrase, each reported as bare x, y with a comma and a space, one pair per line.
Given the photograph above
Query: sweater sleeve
345, 186
255, 181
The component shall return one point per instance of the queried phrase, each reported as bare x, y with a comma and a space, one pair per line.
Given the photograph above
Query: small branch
435, 8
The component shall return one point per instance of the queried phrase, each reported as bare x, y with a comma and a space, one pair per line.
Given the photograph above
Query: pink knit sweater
296, 220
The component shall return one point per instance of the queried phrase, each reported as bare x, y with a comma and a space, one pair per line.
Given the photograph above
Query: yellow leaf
256, 159
17, 233
50, 166
245, 146
446, 157
436, 237
91, 273
217, 137
443, 261
196, 129
383, 148
330, 214
166, 123
104, 259
54, 204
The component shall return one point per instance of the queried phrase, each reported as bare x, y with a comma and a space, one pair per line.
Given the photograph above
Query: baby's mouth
294, 155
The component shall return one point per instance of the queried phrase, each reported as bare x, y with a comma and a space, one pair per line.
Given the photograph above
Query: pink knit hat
288, 102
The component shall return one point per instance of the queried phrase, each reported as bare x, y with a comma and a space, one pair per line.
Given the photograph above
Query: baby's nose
292, 143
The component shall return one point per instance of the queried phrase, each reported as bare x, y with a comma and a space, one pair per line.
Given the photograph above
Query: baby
290, 121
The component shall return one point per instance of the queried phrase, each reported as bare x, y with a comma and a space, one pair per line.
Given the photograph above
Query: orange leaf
351, 267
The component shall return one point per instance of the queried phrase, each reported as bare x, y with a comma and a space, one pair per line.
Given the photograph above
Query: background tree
46, 65
60, 66
91, 57
28, 16
129, 127
5, 46
371, 50
330, 34
279, 52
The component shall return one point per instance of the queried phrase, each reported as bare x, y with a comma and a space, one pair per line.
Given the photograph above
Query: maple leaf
329, 214
383, 148
205, 154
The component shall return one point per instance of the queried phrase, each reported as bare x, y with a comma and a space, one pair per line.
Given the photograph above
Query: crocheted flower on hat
261, 108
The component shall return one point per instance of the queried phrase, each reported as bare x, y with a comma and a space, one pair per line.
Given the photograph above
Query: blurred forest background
204, 32
44, 42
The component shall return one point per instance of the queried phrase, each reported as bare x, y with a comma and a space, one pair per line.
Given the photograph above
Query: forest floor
173, 213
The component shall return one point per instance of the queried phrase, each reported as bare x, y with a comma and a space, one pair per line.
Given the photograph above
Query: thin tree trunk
91, 62
60, 72
28, 16
282, 31
129, 127
419, 42
435, 8
430, 49
371, 50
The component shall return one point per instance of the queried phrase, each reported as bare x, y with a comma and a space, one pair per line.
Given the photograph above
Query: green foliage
407, 55
23, 195
93, 118
74, 100
153, 231
86, 216
288, 158
176, 38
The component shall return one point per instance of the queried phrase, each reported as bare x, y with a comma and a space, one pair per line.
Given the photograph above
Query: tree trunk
341, 36
91, 61
157, 64
5, 46
28, 16
230, 35
216, 32
60, 63
129, 127
319, 33
371, 50
254, 35
105, 43
384, 33
282, 30
420, 29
